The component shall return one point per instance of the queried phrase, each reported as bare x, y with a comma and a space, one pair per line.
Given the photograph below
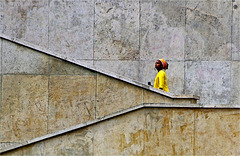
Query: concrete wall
41, 94
150, 131
199, 39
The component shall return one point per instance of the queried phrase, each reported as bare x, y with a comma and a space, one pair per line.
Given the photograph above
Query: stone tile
1, 41
24, 107
1, 16
27, 20
235, 79
150, 131
177, 1
116, 30
123, 135
71, 28
99, 1
236, 31
151, 97
71, 100
85, 62
2, 145
219, 129
147, 71
114, 95
72, 1
79, 142
205, 0
162, 30
169, 132
34, 149
0, 92
61, 67
19, 59
208, 28
175, 75
124, 68
9, 22
154, 1
211, 80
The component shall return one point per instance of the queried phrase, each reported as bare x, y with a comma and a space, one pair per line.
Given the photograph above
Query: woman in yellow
161, 78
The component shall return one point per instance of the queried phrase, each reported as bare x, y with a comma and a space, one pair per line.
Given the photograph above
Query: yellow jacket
161, 81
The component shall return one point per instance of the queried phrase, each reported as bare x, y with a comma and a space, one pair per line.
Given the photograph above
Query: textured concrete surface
1, 56
208, 26
41, 94
154, 98
149, 131
206, 78
169, 132
61, 67
27, 20
1, 16
78, 143
116, 33
114, 95
17, 59
162, 30
71, 28
126, 37
200, 40
71, 101
236, 31
123, 136
235, 83
127, 68
222, 126
23, 107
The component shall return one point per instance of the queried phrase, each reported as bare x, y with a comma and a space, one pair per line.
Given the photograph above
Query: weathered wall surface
41, 94
150, 131
199, 39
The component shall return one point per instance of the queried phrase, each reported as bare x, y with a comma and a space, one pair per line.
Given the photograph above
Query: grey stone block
124, 68
162, 30
235, 96
236, 31
100, 1
60, 67
18, 59
175, 75
71, 28
154, 1
1, 55
116, 30
208, 28
1, 16
82, 139
27, 20
211, 80
205, 0
1, 105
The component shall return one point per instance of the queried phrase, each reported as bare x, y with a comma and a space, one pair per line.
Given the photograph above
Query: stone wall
199, 39
149, 131
41, 94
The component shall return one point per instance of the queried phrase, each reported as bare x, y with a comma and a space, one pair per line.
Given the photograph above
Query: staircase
53, 105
